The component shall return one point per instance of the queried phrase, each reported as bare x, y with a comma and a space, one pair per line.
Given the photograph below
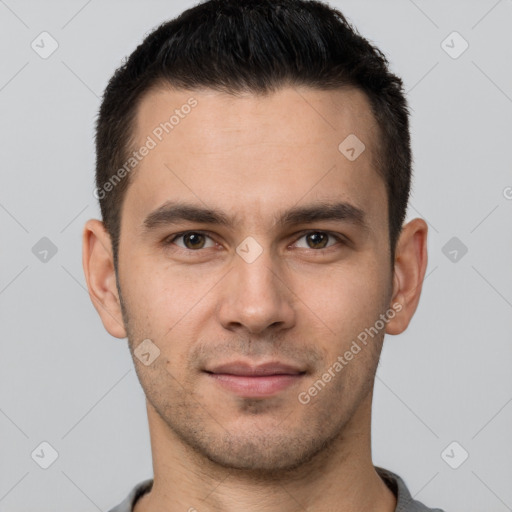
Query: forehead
252, 154
295, 116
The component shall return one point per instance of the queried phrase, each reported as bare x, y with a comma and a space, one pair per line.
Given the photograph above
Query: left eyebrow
324, 211
173, 212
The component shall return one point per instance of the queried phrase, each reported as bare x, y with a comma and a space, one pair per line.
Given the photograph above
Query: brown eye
192, 240
317, 240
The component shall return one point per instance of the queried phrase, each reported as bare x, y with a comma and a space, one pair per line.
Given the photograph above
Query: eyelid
337, 236
169, 240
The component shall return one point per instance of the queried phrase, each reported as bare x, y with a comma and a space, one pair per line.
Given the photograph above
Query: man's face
261, 287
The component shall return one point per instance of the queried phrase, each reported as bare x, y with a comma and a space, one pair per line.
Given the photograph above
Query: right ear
98, 263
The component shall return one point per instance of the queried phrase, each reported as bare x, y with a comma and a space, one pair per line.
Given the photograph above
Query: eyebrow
173, 212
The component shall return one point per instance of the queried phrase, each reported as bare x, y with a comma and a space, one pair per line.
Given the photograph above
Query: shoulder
127, 504
405, 502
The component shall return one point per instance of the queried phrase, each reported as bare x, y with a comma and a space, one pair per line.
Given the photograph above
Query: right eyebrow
174, 212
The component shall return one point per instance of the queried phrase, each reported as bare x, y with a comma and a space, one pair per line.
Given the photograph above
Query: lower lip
258, 386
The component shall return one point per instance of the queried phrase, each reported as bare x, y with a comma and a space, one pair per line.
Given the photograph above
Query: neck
341, 477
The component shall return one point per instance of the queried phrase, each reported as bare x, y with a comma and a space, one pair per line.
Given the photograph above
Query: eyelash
171, 239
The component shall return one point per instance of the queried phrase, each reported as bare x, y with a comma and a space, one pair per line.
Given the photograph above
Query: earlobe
409, 272
98, 264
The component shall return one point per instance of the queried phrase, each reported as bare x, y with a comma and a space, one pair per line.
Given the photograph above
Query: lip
255, 381
242, 368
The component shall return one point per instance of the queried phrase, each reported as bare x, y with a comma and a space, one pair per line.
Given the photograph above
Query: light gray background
65, 381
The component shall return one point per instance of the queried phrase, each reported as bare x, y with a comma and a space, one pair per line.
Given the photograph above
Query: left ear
410, 266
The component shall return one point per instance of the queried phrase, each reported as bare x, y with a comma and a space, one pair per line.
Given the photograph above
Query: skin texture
300, 302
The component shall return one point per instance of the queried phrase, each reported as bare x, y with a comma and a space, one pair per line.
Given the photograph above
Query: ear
409, 272
98, 263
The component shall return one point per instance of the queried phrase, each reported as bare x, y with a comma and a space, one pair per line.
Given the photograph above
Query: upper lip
247, 369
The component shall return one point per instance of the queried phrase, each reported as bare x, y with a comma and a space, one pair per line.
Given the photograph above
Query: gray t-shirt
405, 503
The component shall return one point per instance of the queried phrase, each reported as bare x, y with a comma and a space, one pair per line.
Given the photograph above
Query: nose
255, 296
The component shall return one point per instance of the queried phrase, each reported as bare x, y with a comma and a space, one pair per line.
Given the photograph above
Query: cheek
159, 291
166, 305
347, 298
